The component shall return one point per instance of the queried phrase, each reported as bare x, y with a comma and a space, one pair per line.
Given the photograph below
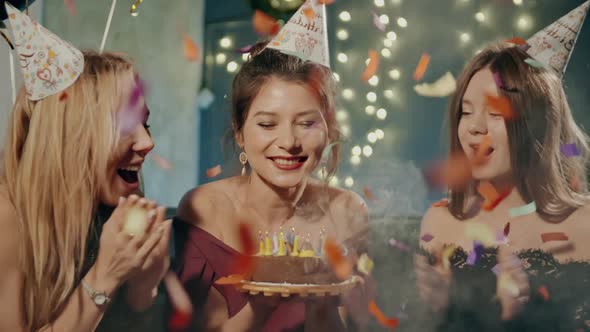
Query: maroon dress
205, 259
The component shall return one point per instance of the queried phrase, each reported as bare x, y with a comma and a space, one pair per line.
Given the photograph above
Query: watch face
100, 299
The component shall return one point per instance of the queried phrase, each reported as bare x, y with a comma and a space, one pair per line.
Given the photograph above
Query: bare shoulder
441, 225
202, 205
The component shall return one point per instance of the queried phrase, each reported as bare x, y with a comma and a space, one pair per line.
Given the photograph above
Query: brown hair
56, 154
542, 124
264, 64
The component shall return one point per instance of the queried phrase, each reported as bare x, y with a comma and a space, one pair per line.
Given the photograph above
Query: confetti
191, 50
554, 236
233, 279
427, 237
134, 6
372, 66
422, 66
176, 293
71, 6
368, 194
491, 196
570, 150
506, 229
475, 254
134, 111
326, 2
517, 41
399, 245
502, 105
380, 316
377, 22
161, 162
443, 87
342, 268
447, 253
244, 264
179, 321
481, 233
534, 63
454, 173
265, 24
213, 171
522, 210
365, 264
544, 292
309, 13
498, 80
245, 49
63, 96
482, 151
442, 203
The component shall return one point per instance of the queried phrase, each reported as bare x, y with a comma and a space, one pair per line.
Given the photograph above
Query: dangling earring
243, 160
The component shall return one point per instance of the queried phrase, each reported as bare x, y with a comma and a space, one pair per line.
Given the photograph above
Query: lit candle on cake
320, 248
282, 247
291, 236
275, 243
267, 246
295, 246
261, 244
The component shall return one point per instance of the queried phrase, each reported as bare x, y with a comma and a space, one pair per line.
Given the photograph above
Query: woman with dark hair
282, 121
540, 285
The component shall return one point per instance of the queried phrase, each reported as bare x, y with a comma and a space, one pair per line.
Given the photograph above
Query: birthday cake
282, 260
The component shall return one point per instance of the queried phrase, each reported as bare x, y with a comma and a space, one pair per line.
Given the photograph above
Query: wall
154, 40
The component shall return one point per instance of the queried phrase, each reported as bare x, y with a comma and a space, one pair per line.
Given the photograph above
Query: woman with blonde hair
64, 252
532, 283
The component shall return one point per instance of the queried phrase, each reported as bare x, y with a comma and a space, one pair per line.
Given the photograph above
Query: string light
387, 42
336, 77
348, 94
232, 66
345, 129
341, 115
380, 134
225, 42
356, 150
524, 22
384, 19
480, 17
372, 137
220, 58
379, 3
386, 53
388, 94
391, 35
402, 22
245, 56
342, 34
342, 57
374, 81
367, 151
334, 182
381, 114
395, 74
370, 110
465, 37
355, 160
349, 181
372, 97
517, 2
345, 16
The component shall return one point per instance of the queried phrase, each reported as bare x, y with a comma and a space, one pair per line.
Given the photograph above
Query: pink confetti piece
496, 269
377, 22
214, 171
399, 245
71, 6
245, 49
570, 150
427, 237
161, 162
498, 80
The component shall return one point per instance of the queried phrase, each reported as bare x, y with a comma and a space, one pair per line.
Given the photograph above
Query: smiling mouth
129, 174
288, 163
478, 153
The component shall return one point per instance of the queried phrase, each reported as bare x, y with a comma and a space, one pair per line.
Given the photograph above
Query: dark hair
542, 124
265, 63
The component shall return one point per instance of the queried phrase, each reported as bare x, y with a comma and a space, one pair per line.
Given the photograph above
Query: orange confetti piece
517, 41
213, 171
442, 203
454, 173
191, 50
422, 66
554, 236
326, 2
482, 151
368, 194
342, 268
544, 292
63, 96
309, 13
265, 24
502, 105
490, 194
161, 162
244, 264
380, 316
372, 66
233, 279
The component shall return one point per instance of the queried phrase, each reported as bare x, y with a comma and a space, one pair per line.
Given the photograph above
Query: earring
243, 160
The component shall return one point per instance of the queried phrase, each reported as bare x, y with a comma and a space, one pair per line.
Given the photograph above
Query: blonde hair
543, 123
56, 156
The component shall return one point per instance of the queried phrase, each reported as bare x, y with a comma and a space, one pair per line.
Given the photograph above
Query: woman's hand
122, 255
433, 283
512, 288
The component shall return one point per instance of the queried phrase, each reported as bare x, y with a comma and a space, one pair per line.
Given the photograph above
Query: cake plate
301, 290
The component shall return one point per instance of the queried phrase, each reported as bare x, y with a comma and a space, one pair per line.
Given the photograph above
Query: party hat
49, 64
552, 46
305, 35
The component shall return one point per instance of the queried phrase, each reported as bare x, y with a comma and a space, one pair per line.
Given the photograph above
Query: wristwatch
99, 298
